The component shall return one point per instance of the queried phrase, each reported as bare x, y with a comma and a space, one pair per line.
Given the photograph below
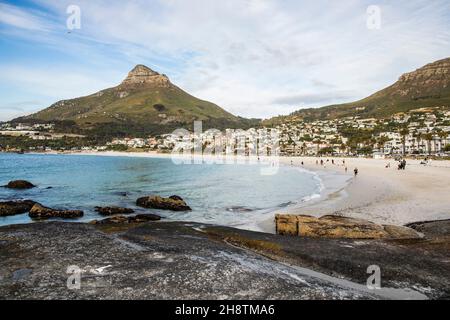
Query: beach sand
379, 194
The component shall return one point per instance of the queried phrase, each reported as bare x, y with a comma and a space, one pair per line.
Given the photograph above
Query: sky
254, 58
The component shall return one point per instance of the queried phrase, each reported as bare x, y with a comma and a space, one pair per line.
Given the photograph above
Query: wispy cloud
14, 16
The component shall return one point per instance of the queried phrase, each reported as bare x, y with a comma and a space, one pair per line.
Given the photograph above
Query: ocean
236, 195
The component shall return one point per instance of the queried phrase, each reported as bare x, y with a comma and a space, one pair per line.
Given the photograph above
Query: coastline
299, 267
381, 195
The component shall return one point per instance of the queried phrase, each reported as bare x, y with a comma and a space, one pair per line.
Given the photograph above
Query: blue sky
255, 58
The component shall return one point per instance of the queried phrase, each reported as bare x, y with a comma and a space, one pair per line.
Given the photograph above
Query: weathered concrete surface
175, 260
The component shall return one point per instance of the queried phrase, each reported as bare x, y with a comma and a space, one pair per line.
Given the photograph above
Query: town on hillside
415, 133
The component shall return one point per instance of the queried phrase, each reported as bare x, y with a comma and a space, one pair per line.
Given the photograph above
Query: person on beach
332, 161
302, 163
321, 162
356, 171
346, 169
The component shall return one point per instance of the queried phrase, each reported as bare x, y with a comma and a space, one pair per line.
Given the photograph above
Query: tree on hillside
428, 137
404, 132
382, 140
442, 138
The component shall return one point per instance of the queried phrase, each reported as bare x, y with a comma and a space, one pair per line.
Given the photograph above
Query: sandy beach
379, 194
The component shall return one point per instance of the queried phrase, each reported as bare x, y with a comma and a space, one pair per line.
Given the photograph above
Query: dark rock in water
38, 211
178, 260
157, 202
239, 209
175, 197
121, 193
10, 208
109, 211
140, 218
20, 184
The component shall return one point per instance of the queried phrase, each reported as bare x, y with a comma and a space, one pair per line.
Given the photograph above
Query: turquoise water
233, 195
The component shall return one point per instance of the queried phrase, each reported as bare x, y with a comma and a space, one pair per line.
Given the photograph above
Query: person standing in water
356, 171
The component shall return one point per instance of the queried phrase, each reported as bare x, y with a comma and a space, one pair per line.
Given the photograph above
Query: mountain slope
428, 86
144, 100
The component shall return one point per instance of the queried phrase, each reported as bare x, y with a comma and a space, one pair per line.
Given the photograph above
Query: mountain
428, 86
146, 102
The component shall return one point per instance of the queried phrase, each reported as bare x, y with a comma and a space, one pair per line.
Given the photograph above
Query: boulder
175, 197
109, 211
174, 203
20, 184
140, 218
10, 208
331, 226
38, 211
434, 228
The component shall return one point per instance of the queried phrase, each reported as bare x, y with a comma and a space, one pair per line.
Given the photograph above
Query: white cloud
19, 18
44, 81
246, 55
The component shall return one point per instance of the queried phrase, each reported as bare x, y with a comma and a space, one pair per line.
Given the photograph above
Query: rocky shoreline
178, 260
136, 256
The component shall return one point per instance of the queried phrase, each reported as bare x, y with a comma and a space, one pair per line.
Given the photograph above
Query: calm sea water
233, 195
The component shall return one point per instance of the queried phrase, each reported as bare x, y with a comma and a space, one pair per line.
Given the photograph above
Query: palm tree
303, 148
442, 137
415, 135
404, 132
318, 142
343, 147
428, 137
382, 140
421, 137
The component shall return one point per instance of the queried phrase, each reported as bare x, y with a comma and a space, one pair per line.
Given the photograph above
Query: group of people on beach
322, 163
402, 164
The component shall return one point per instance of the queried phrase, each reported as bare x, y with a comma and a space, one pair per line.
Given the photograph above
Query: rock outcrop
142, 75
339, 227
38, 211
173, 203
20, 184
109, 211
186, 260
10, 208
